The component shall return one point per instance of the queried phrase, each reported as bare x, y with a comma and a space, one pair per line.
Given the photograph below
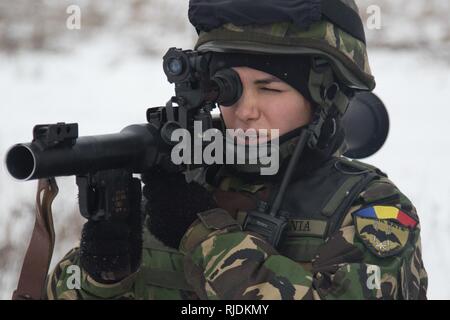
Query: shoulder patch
385, 230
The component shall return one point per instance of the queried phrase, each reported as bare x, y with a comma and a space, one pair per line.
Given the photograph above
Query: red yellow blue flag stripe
387, 212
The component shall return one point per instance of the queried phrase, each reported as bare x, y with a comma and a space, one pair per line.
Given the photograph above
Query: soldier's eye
271, 90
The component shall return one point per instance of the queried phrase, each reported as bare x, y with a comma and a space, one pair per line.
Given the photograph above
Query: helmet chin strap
331, 102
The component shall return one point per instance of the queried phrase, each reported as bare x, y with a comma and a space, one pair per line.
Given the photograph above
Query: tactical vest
316, 204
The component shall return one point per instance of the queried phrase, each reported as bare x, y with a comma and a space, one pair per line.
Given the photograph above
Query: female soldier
342, 230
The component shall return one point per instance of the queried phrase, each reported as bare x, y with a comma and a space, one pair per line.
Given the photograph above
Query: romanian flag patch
387, 212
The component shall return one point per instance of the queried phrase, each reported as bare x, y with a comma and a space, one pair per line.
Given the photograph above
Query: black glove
172, 204
111, 239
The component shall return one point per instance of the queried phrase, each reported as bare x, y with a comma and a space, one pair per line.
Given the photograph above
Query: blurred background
105, 75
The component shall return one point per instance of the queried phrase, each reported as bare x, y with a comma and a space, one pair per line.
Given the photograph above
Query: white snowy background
105, 75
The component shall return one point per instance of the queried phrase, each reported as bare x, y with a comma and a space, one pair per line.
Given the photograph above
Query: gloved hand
111, 239
172, 204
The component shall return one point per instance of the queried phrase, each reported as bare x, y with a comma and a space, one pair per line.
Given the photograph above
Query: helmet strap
331, 101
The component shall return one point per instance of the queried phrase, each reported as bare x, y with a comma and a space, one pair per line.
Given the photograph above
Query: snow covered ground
104, 91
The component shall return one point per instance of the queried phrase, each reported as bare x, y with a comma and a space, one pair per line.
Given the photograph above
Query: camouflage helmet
346, 53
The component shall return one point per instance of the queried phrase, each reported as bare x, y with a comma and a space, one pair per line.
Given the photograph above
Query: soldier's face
266, 103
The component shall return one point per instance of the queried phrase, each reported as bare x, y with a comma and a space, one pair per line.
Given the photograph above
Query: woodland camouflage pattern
324, 37
347, 54
231, 264
222, 262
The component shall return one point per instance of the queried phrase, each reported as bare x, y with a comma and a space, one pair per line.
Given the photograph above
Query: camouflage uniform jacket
372, 252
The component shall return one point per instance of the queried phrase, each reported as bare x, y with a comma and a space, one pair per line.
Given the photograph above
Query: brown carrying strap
39, 254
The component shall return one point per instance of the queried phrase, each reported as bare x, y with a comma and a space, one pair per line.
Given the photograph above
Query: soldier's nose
247, 109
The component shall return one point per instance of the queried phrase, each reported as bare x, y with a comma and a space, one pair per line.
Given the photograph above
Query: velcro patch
303, 227
382, 237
